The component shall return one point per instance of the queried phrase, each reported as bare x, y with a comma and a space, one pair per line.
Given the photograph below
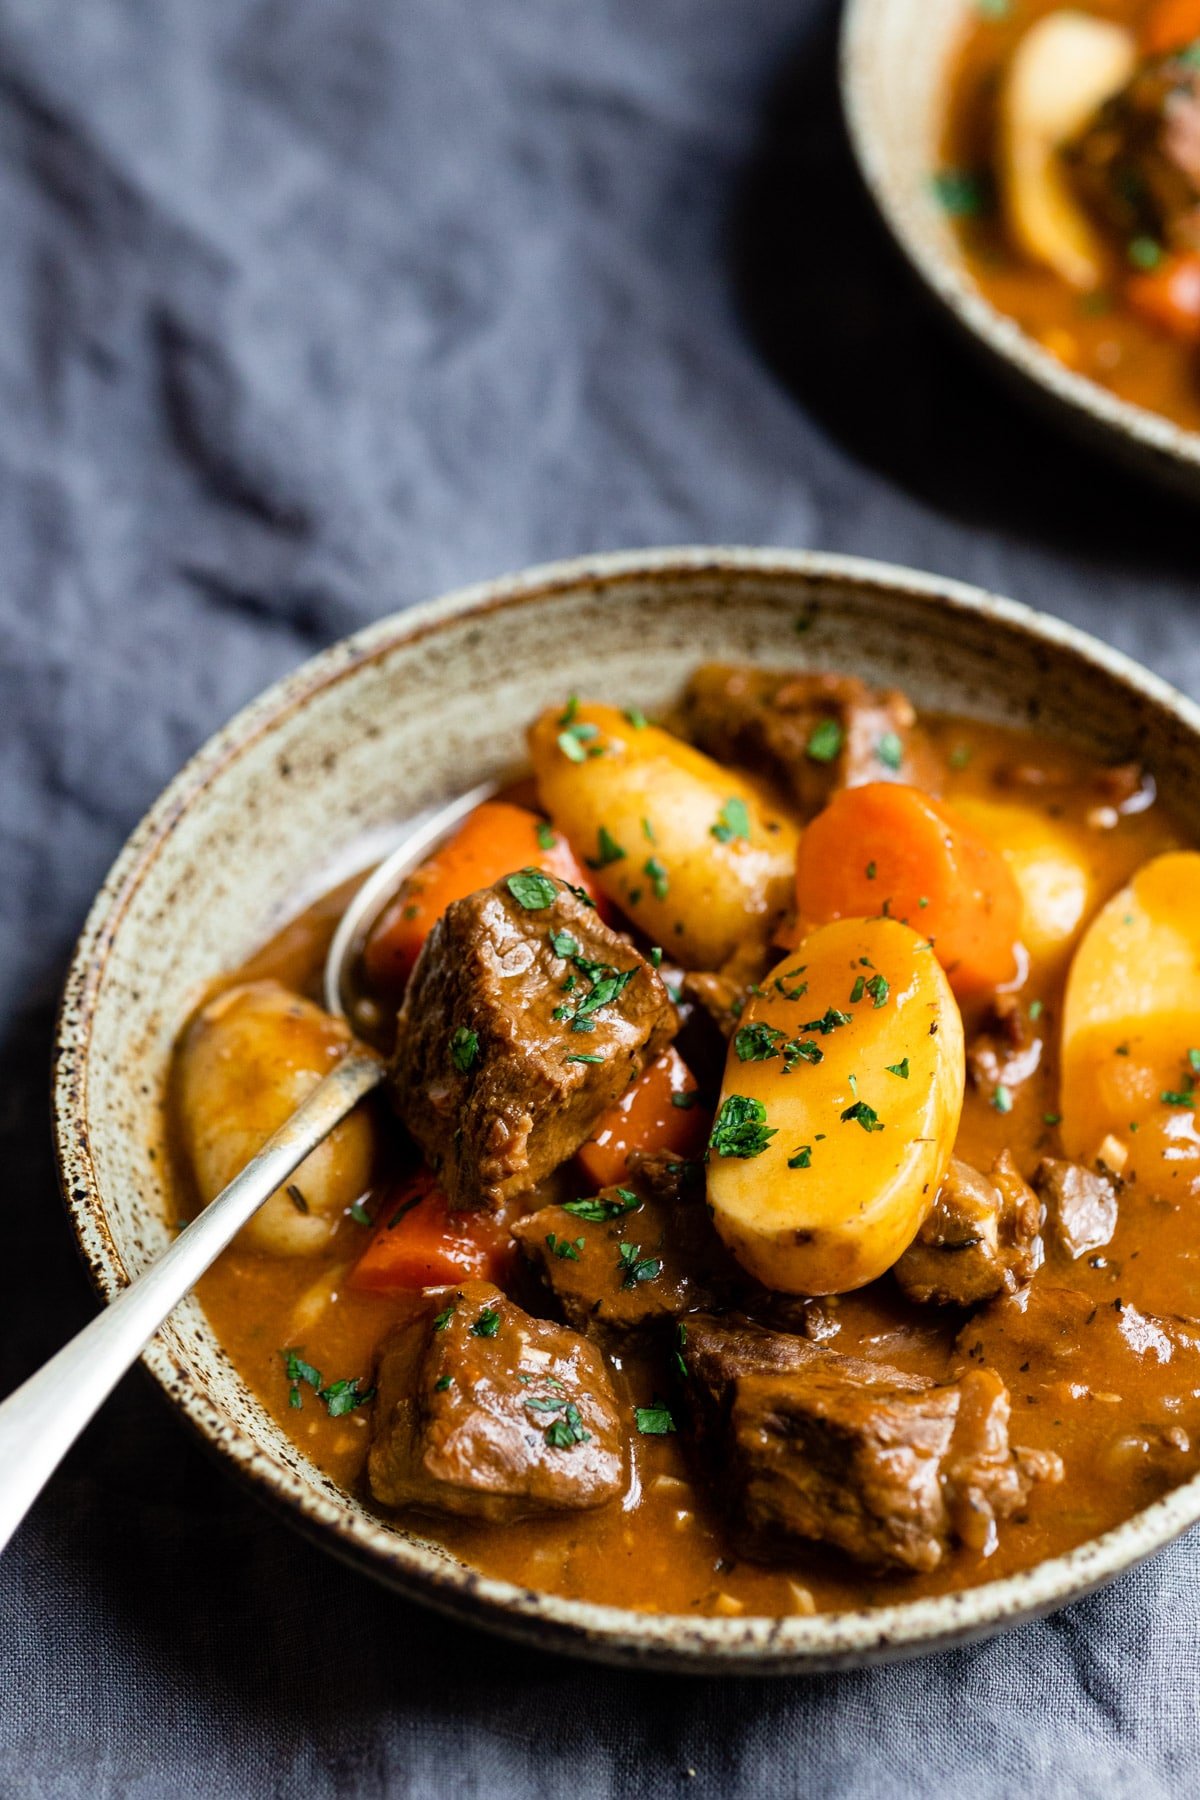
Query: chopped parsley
830, 1022
563, 944
862, 1114
464, 1049
633, 1267
570, 711
757, 1043
563, 1248
583, 1057
1145, 253
680, 1367
1178, 1097
444, 1318
572, 749
656, 957
442, 1383
733, 822
825, 741
487, 1324
872, 870
636, 717
608, 851
878, 989
1002, 1098
1036, 1009
858, 990
900, 1069
962, 193
802, 1158
801, 1050
568, 1431
659, 879
1194, 1061
684, 1100
604, 990
960, 756
546, 836
1051, 1118
890, 751
648, 832
654, 1421
794, 993
340, 1396
532, 890
599, 1211
740, 1128
359, 1213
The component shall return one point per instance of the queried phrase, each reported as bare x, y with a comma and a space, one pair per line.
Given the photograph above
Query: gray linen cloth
309, 309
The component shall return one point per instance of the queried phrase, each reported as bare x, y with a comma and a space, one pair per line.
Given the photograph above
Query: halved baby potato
1131, 1025
1064, 67
247, 1060
686, 848
841, 1100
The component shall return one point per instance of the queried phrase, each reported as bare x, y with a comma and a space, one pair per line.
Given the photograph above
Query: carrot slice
648, 1116
492, 841
890, 849
419, 1243
1169, 296
1172, 25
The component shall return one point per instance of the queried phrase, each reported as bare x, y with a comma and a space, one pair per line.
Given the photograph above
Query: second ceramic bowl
895, 58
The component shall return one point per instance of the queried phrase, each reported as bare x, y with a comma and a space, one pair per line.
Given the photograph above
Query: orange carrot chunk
892, 850
491, 842
419, 1243
659, 1111
1169, 296
1172, 25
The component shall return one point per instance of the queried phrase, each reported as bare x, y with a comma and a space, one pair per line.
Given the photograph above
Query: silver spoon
41, 1420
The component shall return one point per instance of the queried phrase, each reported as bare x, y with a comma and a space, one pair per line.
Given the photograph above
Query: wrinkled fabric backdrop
310, 309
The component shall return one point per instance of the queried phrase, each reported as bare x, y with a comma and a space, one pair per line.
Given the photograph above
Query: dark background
310, 309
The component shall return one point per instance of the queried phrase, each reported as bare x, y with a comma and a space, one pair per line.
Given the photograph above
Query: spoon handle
42, 1419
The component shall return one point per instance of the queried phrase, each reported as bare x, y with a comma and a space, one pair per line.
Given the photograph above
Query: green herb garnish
654, 1421
825, 741
802, 1158
532, 890
862, 1114
740, 1128
733, 821
757, 1043
609, 851
900, 1069
599, 1211
487, 1324
890, 751
464, 1049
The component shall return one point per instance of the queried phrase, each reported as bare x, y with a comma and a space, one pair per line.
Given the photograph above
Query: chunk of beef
1081, 1204
813, 733
980, 1240
1006, 1050
619, 1261
719, 1352
1136, 164
486, 1412
524, 1020
889, 1475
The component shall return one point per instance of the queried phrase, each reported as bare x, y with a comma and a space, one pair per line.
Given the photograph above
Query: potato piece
247, 1060
1055, 867
1131, 1021
839, 1109
686, 848
1064, 67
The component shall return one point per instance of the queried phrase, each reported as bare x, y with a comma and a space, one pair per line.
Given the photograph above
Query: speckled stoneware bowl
895, 57
406, 714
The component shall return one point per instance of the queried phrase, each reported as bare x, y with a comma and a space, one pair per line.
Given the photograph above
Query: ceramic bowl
406, 714
895, 57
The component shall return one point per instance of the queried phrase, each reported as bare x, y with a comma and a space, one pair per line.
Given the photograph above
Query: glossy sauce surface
1094, 334
664, 1548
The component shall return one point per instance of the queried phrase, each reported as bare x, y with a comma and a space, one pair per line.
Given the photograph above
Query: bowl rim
741, 1644
1174, 448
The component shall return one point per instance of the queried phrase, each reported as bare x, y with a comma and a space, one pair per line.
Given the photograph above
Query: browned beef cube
890, 1476
1006, 1050
723, 992
1136, 164
486, 1412
1081, 1204
524, 1020
980, 1240
617, 1262
718, 1352
812, 733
